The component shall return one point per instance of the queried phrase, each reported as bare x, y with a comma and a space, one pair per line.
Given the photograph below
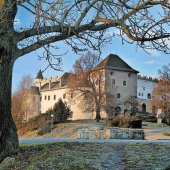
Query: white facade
50, 97
145, 87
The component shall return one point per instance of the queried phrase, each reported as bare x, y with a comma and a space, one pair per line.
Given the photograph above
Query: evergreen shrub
61, 112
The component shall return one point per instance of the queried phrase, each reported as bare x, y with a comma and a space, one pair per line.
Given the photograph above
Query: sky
146, 64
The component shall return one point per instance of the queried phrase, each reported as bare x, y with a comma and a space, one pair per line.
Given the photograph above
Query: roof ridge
115, 62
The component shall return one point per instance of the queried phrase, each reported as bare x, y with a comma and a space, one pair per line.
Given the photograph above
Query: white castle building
145, 88
118, 75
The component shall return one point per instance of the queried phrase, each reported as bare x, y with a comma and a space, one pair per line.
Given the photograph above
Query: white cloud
17, 21
153, 52
150, 62
113, 31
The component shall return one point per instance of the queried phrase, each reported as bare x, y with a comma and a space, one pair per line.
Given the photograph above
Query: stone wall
110, 134
125, 134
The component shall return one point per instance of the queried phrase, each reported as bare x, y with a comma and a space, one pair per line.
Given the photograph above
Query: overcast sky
146, 64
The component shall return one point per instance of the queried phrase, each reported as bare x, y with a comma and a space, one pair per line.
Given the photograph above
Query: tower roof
39, 75
114, 62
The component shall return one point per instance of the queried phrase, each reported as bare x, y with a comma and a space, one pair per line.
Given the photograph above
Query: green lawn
90, 156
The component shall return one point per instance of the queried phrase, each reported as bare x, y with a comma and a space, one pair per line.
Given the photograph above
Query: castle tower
35, 103
38, 80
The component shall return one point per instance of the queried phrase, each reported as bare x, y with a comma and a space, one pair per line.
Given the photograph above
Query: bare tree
133, 105
16, 109
80, 23
21, 100
161, 93
90, 83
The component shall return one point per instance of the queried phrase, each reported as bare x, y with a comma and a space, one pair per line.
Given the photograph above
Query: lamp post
52, 119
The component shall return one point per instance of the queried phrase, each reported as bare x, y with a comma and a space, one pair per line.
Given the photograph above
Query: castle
118, 75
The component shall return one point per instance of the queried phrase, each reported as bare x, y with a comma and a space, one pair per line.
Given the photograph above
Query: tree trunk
8, 134
98, 117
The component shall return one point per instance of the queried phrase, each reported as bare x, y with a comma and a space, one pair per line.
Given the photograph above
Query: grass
93, 156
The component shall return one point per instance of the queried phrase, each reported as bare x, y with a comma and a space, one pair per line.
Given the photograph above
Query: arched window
149, 96
143, 107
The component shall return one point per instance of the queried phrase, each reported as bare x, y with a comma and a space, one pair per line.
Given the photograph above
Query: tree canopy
84, 22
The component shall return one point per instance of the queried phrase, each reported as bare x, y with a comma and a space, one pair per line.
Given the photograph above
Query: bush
152, 119
166, 120
34, 123
39, 121
124, 121
60, 111
135, 124
44, 130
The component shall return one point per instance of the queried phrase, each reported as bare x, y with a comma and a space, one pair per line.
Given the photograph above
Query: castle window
64, 96
124, 83
113, 82
48, 97
111, 73
54, 97
45, 97
118, 95
40, 98
71, 95
139, 94
129, 75
149, 96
